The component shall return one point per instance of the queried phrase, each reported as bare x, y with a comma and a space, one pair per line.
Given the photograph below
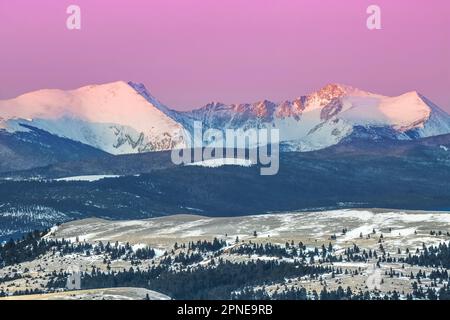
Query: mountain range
48, 126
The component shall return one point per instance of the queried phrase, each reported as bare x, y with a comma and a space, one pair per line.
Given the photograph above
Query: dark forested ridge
38, 148
303, 182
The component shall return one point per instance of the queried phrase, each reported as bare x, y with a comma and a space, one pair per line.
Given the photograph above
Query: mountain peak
139, 87
108, 86
116, 117
326, 94
142, 90
335, 87
337, 90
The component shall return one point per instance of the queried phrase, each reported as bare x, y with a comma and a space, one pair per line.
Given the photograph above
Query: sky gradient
191, 52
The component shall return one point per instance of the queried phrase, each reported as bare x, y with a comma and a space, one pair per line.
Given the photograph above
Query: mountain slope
37, 148
113, 117
120, 165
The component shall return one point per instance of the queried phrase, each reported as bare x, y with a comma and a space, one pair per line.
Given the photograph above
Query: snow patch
89, 178
215, 163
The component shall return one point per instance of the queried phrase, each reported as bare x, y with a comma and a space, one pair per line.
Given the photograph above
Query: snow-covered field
399, 228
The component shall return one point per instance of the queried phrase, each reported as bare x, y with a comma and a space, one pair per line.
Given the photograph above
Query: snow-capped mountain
125, 118
333, 113
115, 117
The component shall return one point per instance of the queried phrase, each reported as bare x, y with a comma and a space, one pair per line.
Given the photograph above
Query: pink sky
191, 52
